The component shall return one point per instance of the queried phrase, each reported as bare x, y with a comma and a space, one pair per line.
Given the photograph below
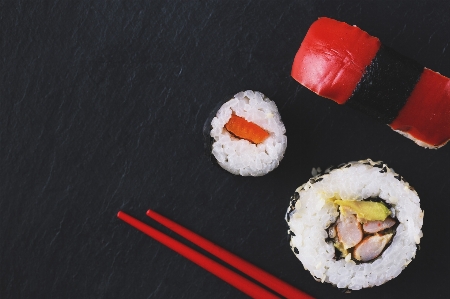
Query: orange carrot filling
241, 128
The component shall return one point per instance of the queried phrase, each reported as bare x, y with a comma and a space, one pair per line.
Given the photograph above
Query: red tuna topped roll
347, 65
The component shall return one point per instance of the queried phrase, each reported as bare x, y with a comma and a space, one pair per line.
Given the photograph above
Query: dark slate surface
102, 105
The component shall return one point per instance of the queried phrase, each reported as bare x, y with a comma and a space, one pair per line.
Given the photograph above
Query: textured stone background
102, 106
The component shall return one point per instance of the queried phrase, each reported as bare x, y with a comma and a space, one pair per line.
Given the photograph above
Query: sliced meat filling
363, 229
376, 226
349, 230
371, 247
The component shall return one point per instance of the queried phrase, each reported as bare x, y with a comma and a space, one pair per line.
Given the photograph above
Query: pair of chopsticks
241, 283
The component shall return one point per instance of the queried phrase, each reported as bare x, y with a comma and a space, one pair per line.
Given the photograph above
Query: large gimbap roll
355, 226
248, 135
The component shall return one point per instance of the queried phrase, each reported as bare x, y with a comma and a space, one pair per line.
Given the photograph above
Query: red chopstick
239, 282
254, 272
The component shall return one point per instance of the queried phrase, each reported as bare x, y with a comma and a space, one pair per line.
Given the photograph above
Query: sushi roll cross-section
248, 135
349, 66
356, 226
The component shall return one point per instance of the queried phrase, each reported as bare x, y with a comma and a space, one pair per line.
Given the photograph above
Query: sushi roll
248, 136
349, 66
355, 226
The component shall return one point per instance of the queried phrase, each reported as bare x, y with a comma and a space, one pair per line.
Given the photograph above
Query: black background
102, 109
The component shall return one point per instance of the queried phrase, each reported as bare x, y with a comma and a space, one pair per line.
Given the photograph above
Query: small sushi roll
355, 226
248, 135
351, 67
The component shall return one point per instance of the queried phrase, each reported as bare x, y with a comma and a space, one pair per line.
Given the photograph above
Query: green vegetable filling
365, 210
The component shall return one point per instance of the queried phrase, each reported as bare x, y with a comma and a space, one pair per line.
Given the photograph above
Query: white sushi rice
312, 213
243, 157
